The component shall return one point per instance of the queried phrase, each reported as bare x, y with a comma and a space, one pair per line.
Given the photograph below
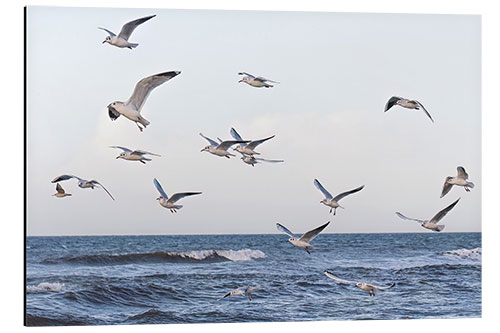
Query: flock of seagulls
131, 109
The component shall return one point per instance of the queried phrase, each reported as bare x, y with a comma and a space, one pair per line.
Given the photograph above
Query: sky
336, 72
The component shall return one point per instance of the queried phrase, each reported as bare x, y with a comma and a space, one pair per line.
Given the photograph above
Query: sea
115, 280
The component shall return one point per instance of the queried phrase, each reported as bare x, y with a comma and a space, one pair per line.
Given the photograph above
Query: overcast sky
336, 72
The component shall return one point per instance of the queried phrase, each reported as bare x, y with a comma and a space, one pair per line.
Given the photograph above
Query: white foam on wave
466, 253
233, 255
46, 286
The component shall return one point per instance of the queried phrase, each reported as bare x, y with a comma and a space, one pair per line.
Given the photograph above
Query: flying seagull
121, 40
134, 155
332, 202
305, 239
60, 192
370, 288
169, 203
248, 148
82, 183
251, 160
220, 149
131, 109
459, 180
406, 103
432, 224
257, 82
242, 291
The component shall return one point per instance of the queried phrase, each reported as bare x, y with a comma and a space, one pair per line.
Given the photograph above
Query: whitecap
46, 286
466, 253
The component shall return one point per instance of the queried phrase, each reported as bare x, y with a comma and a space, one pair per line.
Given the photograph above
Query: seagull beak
240, 81
104, 41
117, 157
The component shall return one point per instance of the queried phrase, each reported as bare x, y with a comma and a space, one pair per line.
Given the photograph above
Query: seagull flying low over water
242, 291
169, 203
459, 180
432, 224
60, 192
82, 183
220, 149
370, 288
248, 148
406, 103
305, 239
131, 109
329, 200
133, 155
257, 82
121, 40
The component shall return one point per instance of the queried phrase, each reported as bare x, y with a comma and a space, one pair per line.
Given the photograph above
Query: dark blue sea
178, 279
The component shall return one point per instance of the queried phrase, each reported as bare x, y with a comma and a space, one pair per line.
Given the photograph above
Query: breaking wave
466, 253
46, 286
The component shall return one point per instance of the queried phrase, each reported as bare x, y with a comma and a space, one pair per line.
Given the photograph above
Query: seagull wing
255, 143
391, 102
59, 189
446, 187
129, 27
226, 295
246, 74
284, 229
143, 152
144, 87
224, 145
102, 186
461, 173
235, 135
344, 194
333, 277
109, 32
443, 212
125, 149
310, 235
264, 80
382, 288
269, 161
212, 142
177, 196
160, 189
322, 189
423, 109
409, 218
250, 290
65, 177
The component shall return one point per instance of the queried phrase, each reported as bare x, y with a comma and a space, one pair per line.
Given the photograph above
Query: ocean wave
46, 286
466, 253
202, 256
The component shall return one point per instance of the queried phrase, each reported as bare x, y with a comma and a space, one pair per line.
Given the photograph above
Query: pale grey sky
336, 72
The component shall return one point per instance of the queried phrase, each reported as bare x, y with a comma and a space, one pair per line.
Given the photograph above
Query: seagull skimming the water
133, 155
220, 149
406, 103
131, 109
169, 203
459, 180
329, 200
305, 239
121, 40
431, 224
60, 192
257, 82
248, 148
82, 183
242, 291
370, 288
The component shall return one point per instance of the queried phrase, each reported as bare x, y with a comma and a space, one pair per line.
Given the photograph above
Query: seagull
406, 103
305, 239
242, 291
220, 149
329, 200
370, 288
459, 180
257, 82
247, 149
251, 160
60, 192
133, 155
131, 109
121, 40
82, 183
432, 224
170, 203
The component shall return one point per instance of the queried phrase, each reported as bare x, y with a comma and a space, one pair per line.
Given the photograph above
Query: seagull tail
132, 45
440, 227
143, 121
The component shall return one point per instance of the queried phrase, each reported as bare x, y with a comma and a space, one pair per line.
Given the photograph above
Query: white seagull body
329, 200
432, 224
248, 148
254, 81
121, 40
82, 183
134, 155
242, 291
169, 203
370, 288
459, 180
60, 192
131, 109
406, 103
220, 149
304, 241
